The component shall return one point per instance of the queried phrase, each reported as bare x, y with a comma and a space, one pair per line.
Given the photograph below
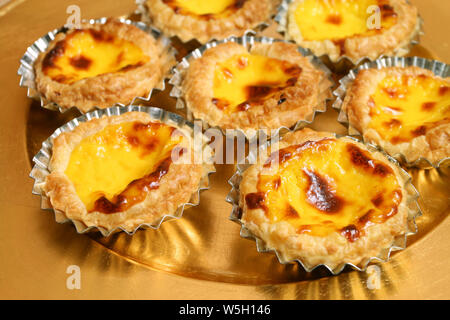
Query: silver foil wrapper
26, 68
42, 160
440, 69
399, 243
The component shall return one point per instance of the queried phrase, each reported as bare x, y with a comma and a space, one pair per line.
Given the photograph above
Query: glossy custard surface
88, 53
339, 19
243, 81
116, 167
205, 8
327, 186
405, 107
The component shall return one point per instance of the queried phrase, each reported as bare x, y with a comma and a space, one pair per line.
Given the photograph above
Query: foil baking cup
439, 69
142, 10
248, 40
42, 160
27, 74
344, 62
399, 243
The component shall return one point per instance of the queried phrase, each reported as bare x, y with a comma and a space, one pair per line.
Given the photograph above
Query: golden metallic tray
200, 256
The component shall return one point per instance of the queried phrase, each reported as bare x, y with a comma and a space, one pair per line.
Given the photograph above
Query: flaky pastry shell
332, 251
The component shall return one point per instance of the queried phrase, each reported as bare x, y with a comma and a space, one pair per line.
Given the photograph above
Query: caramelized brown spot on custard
397, 140
420, 131
242, 63
81, 62
57, 51
443, 90
320, 194
340, 43
381, 170
291, 212
276, 183
387, 11
377, 200
258, 93
361, 158
303, 229
255, 200
285, 154
392, 123
363, 220
236, 5
220, 103
99, 35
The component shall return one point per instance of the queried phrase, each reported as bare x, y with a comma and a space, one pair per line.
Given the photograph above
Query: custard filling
327, 186
205, 8
405, 107
88, 53
339, 19
115, 168
246, 80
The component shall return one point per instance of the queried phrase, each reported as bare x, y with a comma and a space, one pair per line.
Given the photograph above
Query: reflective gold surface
200, 256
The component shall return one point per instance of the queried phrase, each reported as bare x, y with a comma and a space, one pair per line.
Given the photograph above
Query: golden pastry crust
394, 41
187, 27
107, 89
433, 145
285, 108
175, 187
334, 249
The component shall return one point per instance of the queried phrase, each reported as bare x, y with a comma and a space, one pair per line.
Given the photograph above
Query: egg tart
268, 85
324, 200
204, 20
99, 65
122, 171
355, 29
405, 110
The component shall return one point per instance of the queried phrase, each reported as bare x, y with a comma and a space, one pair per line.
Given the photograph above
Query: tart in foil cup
27, 73
143, 11
345, 63
248, 40
438, 68
399, 242
41, 168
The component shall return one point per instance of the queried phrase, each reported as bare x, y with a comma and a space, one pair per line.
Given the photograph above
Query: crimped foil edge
178, 73
42, 160
347, 62
438, 68
399, 242
142, 10
27, 74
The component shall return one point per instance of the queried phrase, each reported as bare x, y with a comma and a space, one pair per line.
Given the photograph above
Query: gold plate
200, 256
